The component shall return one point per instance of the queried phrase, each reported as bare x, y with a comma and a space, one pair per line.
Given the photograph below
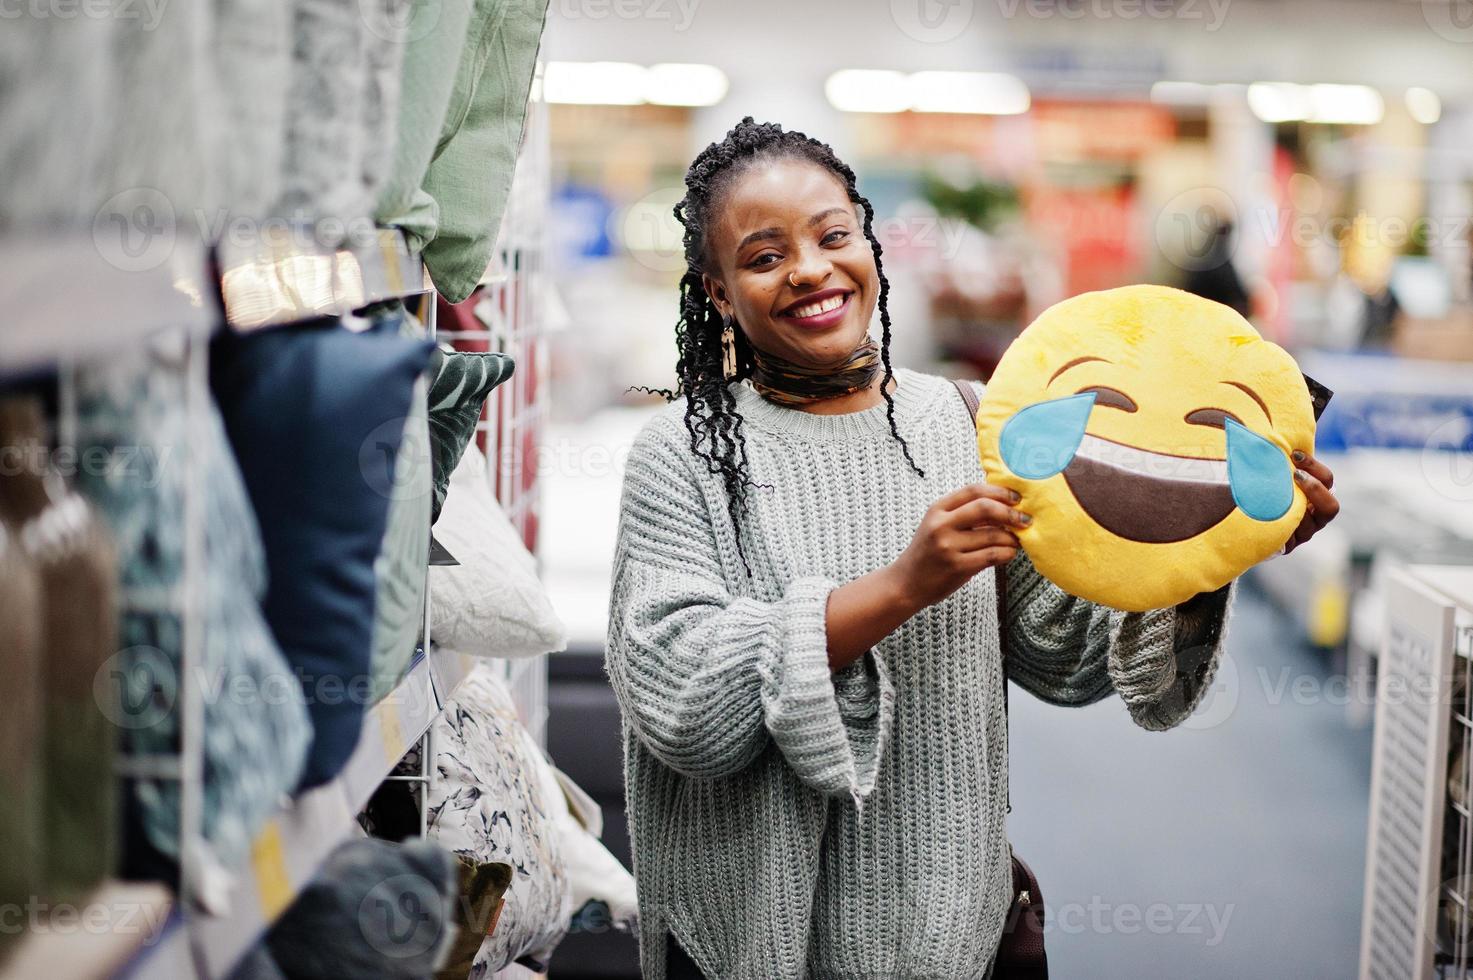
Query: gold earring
728, 347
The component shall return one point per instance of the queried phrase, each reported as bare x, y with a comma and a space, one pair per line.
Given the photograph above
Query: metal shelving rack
41, 277
1455, 899
260, 284
511, 311
172, 300
180, 300
1417, 919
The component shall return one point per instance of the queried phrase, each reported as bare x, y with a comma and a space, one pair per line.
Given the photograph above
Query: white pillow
491, 604
488, 801
593, 872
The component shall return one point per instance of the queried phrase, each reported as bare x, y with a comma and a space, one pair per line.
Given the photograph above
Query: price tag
268, 862
393, 271
391, 730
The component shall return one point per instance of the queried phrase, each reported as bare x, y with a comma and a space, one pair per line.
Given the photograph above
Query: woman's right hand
962, 533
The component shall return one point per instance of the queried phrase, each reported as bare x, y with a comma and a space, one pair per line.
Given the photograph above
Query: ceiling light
1181, 93
867, 90
1275, 102
988, 93
1358, 105
680, 84
863, 90
594, 83
1424, 105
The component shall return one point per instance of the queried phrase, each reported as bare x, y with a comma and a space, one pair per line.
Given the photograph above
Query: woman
805, 653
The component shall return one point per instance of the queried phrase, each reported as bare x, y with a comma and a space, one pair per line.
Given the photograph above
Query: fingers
978, 539
1314, 468
1322, 503
986, 511
975, 491
1322, 509
990, 558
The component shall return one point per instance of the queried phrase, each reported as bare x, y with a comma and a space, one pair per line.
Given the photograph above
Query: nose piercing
791, 282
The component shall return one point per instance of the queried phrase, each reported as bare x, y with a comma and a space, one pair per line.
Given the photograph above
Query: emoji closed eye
1215, 417
1110, 398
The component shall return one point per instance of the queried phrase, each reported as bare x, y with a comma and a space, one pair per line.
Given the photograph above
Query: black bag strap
999, 575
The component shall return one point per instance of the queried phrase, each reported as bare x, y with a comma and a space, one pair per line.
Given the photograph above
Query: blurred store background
1306, 161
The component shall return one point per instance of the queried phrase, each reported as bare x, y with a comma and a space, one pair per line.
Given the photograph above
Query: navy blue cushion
315, 414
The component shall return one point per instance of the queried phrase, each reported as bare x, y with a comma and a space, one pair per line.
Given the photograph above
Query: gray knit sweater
790, 822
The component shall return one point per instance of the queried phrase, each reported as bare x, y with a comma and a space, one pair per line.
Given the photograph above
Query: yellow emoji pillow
1149, 434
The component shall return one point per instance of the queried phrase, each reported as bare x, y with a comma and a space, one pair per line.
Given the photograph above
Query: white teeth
823, 306
1159, 465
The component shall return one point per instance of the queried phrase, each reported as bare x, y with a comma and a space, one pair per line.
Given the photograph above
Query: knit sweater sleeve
1067, 650
705, 678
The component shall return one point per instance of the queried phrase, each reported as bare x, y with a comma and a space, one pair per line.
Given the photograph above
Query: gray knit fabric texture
790, 822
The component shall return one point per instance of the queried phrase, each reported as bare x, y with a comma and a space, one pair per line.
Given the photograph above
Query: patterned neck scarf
786, 383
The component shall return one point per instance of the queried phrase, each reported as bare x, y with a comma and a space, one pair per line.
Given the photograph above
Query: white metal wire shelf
509, 317
265, 284
1455, 920
136, 299
292, 846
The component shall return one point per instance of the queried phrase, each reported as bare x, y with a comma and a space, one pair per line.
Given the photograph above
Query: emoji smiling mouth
1154, 498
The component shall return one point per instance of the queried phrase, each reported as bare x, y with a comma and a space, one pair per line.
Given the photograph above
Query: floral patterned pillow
487, 802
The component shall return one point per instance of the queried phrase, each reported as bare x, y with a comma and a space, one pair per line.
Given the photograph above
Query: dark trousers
679, 966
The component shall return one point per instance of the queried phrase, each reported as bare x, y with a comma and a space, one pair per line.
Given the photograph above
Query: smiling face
791, 263
1148, 432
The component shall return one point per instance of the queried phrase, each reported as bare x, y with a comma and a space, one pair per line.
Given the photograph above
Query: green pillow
461, 383
401, 568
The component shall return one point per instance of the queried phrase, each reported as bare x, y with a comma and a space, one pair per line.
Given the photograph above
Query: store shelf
151, 286
283, 278
138, 276
384, 270
292, 846
1453, 581
1405, 858
450, 669
127, 297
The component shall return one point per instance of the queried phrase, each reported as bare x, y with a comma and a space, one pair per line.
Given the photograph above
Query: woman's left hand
1316, 480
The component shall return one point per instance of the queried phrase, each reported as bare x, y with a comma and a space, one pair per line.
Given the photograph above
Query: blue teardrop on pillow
1258, 472
1041, 440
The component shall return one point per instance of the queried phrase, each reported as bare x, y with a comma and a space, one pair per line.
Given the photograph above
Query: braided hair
711, 418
